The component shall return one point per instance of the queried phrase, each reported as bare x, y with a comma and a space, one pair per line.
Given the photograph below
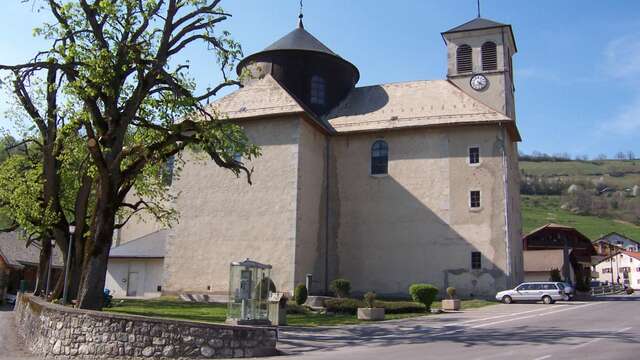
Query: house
561, 247
19, 262
614, 242
135, 267
385, 185
620, 268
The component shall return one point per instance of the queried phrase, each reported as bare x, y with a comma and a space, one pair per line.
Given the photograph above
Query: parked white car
547, 292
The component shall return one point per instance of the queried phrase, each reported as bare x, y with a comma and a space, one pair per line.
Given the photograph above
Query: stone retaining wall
60, 332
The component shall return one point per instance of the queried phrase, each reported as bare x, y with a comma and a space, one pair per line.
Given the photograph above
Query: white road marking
598, 339
543, 357
534, 315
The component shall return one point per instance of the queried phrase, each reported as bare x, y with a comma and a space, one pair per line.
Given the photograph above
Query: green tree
135, 103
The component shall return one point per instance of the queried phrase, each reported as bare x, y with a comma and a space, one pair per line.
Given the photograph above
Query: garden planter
372, 314
451, 304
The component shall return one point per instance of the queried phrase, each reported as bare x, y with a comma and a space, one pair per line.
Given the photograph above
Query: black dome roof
299, 40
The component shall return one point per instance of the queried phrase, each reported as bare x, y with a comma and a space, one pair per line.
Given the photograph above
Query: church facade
384, 185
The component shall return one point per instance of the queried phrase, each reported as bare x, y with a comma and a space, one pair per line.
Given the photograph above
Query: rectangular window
167, 171
638, 269
625, 269
237, 157
474, 197
476, 260
474, 155
606, 270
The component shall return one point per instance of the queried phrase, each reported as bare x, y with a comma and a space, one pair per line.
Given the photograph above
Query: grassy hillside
540, 210
619, 173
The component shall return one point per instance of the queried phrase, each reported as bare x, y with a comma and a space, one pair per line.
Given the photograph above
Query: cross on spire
478, 7
300, 16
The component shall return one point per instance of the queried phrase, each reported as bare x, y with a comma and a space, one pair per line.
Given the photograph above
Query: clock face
479, 82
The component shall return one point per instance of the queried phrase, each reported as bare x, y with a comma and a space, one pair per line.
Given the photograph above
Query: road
606, 329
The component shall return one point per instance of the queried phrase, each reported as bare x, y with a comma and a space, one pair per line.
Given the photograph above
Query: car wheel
507, 299
547, 299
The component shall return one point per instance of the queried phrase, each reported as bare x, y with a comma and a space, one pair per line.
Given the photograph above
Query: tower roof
299, 40
476, 24
480, 23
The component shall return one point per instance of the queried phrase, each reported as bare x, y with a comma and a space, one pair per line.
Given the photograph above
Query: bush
350, 306
300, 294
554, 275
369, 299
293, 308
629, 291
341, 287
451, 291
424, 294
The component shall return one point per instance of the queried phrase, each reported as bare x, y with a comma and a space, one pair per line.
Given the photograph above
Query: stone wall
58, 332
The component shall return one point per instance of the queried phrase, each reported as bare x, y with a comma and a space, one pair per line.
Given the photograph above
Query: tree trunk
43, 267
91, 293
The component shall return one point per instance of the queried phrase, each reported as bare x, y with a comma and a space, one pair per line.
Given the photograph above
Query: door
132, 284
521, 292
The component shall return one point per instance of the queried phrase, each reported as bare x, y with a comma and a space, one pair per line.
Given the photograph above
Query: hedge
350, 306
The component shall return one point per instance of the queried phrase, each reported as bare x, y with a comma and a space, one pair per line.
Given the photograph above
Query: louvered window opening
464, 60
489, 56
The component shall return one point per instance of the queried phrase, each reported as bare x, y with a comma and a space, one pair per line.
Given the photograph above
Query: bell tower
479, 56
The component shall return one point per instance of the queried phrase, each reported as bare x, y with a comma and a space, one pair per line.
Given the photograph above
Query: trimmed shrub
341, 287
369, 299
300, 294
400, 307
451, 292
554, 275
350, 306
293, 308
424, 294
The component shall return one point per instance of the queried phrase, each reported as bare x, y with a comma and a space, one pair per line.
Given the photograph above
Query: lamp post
72, 230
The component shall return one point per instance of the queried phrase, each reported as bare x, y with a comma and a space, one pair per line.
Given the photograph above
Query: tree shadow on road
382, 336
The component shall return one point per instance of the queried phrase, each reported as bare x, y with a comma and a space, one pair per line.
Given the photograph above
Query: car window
522, 287
535, 287
549, 287
561, 285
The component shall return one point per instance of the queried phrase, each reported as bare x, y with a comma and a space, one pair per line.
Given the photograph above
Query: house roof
411, 104
633, 254
15, 253
603, 238
152, 245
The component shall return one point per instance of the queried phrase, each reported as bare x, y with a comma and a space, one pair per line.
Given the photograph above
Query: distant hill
602, 203
621, 173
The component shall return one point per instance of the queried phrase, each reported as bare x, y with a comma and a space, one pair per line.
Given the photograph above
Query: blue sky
577, 70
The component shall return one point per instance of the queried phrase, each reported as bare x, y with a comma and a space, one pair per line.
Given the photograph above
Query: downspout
505, 177
326, 218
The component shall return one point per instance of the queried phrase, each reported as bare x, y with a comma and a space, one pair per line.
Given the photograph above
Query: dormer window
317, 93
489, 56
464, 62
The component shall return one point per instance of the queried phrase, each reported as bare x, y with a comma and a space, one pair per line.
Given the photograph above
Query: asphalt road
606, 329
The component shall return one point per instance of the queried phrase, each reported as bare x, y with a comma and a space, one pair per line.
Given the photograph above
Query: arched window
317, 93
379, 157
464, 62
489, 56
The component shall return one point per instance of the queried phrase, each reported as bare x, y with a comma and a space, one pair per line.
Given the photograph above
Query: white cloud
623, 56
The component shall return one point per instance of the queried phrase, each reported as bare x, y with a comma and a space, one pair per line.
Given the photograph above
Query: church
384, 185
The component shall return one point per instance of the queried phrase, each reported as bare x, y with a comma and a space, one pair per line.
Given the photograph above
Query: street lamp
72, 230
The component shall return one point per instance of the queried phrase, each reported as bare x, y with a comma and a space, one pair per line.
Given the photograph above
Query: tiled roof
153, 245
633, 254
15, 253
410, 104
263, 97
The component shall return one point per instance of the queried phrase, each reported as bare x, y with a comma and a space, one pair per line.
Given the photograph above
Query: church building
385, 185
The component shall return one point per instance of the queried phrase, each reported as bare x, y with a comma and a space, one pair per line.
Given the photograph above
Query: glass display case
249, 287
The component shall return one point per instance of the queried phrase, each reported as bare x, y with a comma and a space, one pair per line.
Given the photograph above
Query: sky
577, 70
